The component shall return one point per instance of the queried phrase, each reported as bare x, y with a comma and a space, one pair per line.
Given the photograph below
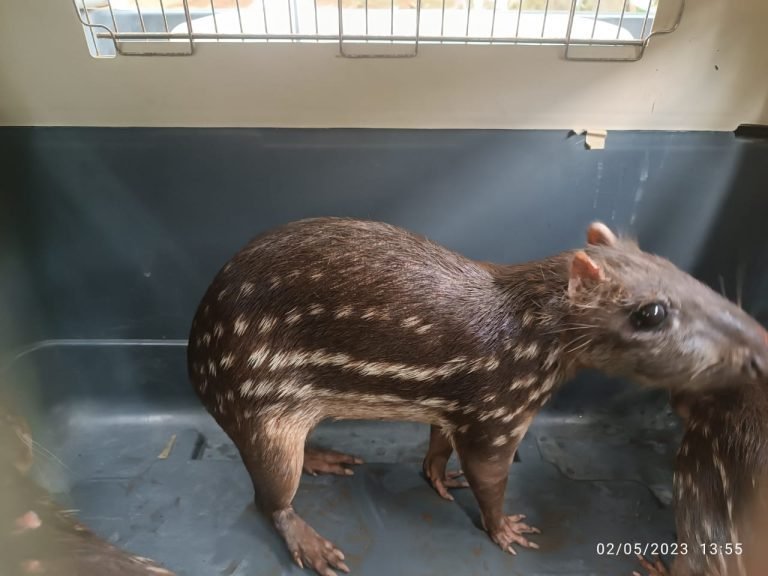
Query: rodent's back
341, 299
721, 479
316, 275
351, 260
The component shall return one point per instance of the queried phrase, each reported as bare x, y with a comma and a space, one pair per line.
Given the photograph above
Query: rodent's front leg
486, 463
436, 461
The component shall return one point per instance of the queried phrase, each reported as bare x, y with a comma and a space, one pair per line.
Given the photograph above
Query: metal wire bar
317, 29
621, 20
87, 22
290, 16
546, 11
442, 20
519, 17
239, 15
418, 23
366, 17
594, 22
469, 11
569, 30
362, 38
391, 40
141, 16
264, 12
493, 22
112, 35
165, 20
188, 18
112, 14
392, 18
645, 20
642, 43
295, 35
215, 20
90, 27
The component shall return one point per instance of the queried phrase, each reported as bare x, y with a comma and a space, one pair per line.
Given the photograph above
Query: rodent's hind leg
436, 462
273, 452
486, 466
317, 461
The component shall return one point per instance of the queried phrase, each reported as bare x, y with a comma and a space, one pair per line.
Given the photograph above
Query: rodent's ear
598, 234
584, 273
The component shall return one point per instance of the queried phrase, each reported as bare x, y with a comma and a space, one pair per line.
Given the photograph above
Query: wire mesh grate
174, 26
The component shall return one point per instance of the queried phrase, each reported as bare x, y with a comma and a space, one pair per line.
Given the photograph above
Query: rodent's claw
510, 531
307, 547
658, 568
441, 480
328, 462
441, 489
452, 479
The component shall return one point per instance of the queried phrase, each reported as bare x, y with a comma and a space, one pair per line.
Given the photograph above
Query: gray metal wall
114, 233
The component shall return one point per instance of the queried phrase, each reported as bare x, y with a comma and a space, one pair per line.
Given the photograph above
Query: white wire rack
373, 28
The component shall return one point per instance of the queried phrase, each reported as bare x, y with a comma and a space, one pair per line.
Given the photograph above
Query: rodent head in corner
643, 318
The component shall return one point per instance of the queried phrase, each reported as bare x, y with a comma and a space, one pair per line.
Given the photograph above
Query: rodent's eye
649, 316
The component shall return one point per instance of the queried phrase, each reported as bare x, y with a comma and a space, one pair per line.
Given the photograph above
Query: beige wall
48, 78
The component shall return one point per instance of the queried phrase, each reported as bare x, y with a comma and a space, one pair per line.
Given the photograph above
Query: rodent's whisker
571, 328
740, 284
588, 338
704, 369
721, 280
42, 451
579, 347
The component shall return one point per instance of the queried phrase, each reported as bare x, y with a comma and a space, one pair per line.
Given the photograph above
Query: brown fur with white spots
36, 536
368, 321
721, 484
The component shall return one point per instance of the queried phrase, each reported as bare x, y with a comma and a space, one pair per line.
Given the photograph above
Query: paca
335, 318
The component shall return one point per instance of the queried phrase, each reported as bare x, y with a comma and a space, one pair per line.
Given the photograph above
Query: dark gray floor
108, 413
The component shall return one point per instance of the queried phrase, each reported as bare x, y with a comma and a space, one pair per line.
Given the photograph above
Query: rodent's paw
658, 568
307, 547
510, 531
328, 462
441, 480
317, 553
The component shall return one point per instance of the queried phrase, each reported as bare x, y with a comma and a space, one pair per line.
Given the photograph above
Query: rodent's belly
342, 388
378, 408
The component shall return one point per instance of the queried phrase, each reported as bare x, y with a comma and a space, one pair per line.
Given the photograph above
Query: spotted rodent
720, 493
36, 535
347, 319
